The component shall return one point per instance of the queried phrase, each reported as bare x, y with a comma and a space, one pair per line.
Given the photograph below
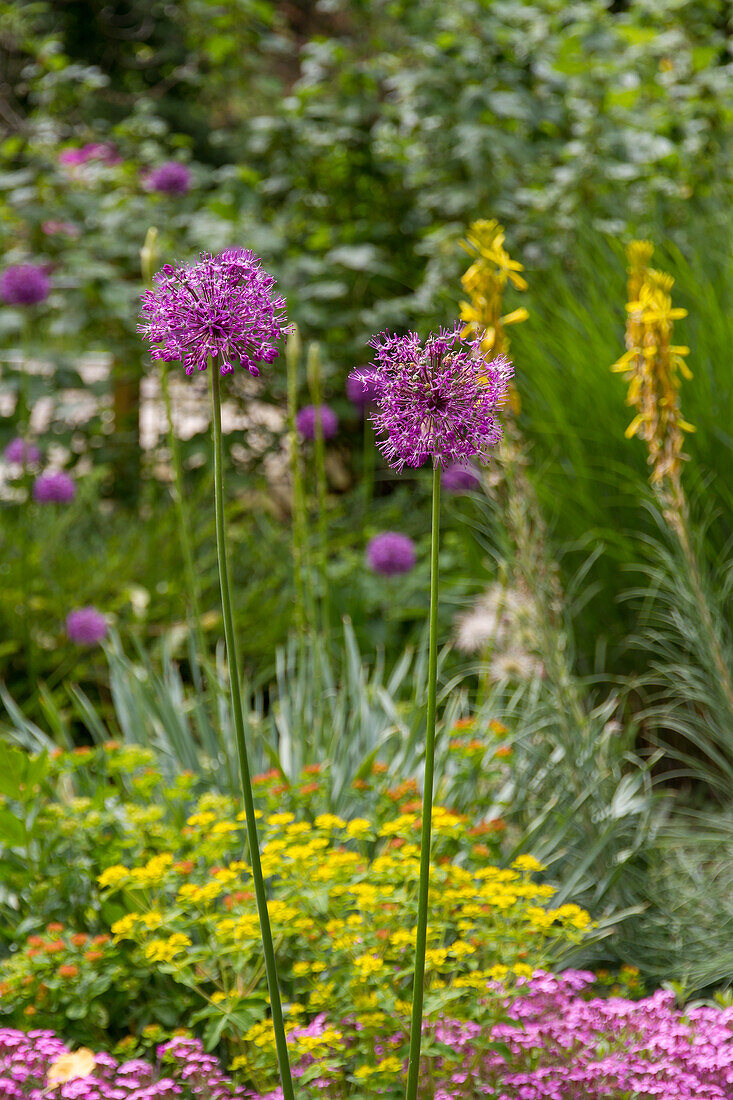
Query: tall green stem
316, 390
183, 519
304, 612
427, 806
249, 806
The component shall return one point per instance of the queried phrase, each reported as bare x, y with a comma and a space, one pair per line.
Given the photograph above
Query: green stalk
314, 383
427, 806
302, 616
183, 519
249, 806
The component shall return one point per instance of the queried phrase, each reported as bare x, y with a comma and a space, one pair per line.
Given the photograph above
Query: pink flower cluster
183, 1070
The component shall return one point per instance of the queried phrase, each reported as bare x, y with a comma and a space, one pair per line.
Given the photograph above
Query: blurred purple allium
362, 387
305, 421
223, 307
24, 285
171, 178
95, 150
438, 400
390, 553
63, 229
54, 488
461, 477
86, 626
22, 453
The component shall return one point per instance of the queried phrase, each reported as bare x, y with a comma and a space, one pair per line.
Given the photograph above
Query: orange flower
29, 1010
312, 769
79, 939
184, 867
54, 947
498, 727
266, 777
464, 724
308, 788
54, 927
360, 785
82, 750
93, 956
68, 970
378, 768
503, 752
36, 941
102, 938
481, 851
111, 746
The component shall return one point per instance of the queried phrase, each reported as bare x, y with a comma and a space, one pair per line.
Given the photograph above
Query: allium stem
304, 615
413, 1072
249, 807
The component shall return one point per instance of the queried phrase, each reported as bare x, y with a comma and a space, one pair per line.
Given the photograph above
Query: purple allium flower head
24, 285
86, 626
54, 488
223, 307
22, 453
363, 387
390, 553
438, 400
305, 421
171, 178
460, 477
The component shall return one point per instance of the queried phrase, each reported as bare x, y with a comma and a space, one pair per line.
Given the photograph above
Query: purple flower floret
86, 626
170, 178
363, 387
24, 285
54, 488
390, 553
223, 307
22, 453
439, 399
305, 421
461, 477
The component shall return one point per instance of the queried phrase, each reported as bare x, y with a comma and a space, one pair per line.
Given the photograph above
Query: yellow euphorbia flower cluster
342, 907
651, 364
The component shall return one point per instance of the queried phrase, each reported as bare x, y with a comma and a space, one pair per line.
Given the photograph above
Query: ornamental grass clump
437, 400
222, 312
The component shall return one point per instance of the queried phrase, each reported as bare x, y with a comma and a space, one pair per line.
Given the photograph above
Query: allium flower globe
305, 421
362, 387
460, 477
21, 453
24, 285
54, 488
171, 178
390, 554
86, 626
439, 399
223, 307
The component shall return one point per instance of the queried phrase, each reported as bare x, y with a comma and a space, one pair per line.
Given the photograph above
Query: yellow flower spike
652, 365
485, 282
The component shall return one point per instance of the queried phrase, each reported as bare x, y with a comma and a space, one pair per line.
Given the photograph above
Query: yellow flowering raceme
485, 283
652, 365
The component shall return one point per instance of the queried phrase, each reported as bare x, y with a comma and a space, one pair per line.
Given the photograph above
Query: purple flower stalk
391, 553
24, 285
461, 477
438, 400
86, 626
363, 387
171, 178
94, 150
305, 421
54, 488
21, 453
223, 307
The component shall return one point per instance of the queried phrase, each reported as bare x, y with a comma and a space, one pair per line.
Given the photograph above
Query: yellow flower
528, 863
280, 819
122, 928
113, 876
358, 828
166, 950
68, 1067
329, 822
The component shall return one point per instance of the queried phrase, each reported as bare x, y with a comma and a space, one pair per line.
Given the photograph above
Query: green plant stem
183, 519
427, 806
314, 383
303, 595
249, 807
